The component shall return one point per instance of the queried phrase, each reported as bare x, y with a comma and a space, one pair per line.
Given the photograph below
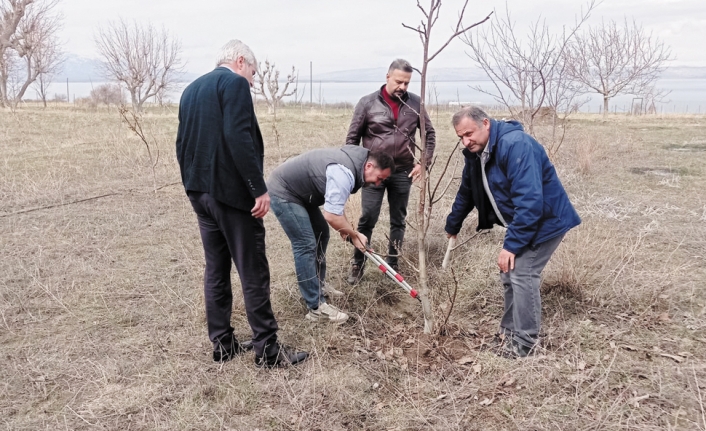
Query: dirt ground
101, 305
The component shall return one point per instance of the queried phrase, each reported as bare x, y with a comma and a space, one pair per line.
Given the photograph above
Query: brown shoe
356, 274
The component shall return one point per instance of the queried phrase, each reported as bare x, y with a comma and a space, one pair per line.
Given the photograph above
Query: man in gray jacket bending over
297, 188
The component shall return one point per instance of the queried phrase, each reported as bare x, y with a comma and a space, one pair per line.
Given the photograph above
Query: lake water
687, 95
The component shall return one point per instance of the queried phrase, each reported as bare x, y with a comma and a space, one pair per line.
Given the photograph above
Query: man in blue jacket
220, 152
508, 177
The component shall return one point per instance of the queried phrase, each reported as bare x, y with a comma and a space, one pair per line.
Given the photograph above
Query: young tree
143, 59
611, 60
424, 29
267, 85
47, 60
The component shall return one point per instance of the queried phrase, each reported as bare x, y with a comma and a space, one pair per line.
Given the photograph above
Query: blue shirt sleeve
339, 183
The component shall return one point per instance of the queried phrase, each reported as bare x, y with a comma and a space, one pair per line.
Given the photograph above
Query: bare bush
140, 57
107, 94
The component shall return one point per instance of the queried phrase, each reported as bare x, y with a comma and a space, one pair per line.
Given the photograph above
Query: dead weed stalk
134, 123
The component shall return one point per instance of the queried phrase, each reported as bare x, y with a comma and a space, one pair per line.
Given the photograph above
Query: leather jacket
374, 124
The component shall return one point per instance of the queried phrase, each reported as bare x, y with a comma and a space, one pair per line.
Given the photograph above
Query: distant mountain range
81, 69
460, 74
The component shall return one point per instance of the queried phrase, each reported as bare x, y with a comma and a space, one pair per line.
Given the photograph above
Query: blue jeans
523, 304
308, 232
398, 187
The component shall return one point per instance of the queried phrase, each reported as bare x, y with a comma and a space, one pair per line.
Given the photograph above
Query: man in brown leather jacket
387, 120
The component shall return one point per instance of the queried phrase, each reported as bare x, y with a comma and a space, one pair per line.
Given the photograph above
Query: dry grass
102, 321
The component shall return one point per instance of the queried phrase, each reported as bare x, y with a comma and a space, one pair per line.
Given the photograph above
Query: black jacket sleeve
238, 121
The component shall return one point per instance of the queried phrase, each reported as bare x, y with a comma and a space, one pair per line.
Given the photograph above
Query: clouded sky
358, 34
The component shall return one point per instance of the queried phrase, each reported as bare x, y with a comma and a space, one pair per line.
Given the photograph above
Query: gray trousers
523, 305
231, 235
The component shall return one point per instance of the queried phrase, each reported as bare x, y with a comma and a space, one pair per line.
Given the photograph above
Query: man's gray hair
402, 65
473, 112
234, 49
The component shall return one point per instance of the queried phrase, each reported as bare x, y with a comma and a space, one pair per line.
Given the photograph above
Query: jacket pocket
548, 213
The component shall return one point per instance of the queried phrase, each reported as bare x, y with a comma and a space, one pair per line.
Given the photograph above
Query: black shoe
356, 274
514, 350
228, 347
395, 267
279, 355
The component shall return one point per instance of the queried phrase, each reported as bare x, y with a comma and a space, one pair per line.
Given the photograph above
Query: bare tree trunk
422, 221
423, 218
605, 106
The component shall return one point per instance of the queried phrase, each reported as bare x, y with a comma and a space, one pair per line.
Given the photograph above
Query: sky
360, 34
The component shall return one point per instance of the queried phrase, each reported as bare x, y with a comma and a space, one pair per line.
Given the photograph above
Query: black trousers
398, 187
232, 235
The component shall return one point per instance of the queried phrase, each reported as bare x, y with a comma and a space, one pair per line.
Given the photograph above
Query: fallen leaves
509, 382
664, 317
465, 360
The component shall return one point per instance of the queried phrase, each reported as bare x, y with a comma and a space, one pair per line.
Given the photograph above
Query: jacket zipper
483, 160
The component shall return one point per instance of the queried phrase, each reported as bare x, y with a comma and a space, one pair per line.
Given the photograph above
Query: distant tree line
542, 70
534, 74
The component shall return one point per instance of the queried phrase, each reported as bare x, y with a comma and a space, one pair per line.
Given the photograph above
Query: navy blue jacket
524, 185
219, 145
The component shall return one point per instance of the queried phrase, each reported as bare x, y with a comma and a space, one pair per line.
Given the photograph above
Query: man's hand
448, 235
506, 261
360, 241
416, 172
262, 206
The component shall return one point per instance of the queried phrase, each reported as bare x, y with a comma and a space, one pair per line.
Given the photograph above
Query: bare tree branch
267, 85
459, 32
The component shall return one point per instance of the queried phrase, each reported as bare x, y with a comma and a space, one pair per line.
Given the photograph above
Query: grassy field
101, 305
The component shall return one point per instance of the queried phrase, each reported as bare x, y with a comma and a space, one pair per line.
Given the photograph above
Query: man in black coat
220, 152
